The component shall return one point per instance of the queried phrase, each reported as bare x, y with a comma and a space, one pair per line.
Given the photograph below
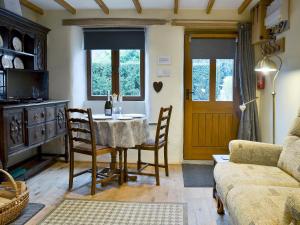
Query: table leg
121, 178
125, 165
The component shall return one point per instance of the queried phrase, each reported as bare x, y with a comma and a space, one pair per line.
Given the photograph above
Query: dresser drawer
35, 116
50, 130
50, 113
36, 134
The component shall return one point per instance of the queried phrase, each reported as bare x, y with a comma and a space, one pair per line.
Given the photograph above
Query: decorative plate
135, 115
18, 63
17, 44
1, 41
125, 118
6, 62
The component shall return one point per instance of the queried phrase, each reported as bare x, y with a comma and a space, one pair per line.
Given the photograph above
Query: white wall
288, 85
66, 63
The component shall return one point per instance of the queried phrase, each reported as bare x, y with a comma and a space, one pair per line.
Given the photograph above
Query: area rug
77, 212
30, 211
198, 175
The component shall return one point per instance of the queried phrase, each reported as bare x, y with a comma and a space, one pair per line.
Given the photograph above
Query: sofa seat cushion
229, 175
259, 205
289, 159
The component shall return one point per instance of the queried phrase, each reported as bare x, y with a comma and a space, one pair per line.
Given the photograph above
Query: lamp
266, 65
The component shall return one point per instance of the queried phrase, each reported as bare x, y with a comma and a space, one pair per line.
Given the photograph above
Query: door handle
188, 93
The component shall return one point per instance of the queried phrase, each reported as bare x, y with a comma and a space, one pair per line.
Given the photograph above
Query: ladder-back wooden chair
160, 141
82, 140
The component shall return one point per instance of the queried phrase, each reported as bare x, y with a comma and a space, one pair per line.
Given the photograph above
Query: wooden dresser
25, 126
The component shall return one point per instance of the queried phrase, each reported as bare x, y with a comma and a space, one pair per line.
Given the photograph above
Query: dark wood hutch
27, 121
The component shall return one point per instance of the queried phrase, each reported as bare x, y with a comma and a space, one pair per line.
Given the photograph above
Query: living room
150, 112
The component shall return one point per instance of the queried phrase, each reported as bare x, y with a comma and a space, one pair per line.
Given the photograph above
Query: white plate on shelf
6, 62
1, 41
136, 115
18, 63
17, 44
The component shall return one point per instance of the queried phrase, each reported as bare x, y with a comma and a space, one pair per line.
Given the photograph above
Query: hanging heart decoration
157, 86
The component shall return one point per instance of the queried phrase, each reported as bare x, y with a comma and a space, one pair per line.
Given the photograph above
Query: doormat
195, 175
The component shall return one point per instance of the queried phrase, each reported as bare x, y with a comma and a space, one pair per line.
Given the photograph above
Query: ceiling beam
176, 6
210, 5
113, 22
137, 6
244, 6
67, 6
32, 7
102, 6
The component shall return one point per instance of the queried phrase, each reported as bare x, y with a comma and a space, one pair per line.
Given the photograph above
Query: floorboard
50, 188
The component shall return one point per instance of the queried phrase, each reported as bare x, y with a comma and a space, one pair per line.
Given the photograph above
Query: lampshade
266, 65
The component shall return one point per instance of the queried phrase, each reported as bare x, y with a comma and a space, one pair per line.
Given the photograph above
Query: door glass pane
101, 72
130, 79
224, 79
200, 79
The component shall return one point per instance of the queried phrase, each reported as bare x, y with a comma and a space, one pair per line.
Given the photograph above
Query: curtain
246, 78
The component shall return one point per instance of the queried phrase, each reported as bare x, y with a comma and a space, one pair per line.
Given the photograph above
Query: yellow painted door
211, 113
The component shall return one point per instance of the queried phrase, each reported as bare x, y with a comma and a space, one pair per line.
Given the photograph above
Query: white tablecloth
122, 133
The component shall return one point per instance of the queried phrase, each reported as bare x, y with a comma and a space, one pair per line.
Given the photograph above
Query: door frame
188, 35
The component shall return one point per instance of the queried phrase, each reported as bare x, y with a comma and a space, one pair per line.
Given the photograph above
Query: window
115, 62
201, 79
224, 79
116, 71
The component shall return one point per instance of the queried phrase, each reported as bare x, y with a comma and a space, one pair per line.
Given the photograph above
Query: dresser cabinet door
50, 113
35, 116
61, 119
50, 130
36, 134
14, 129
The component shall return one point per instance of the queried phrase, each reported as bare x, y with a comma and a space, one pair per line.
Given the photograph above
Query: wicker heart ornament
157, 86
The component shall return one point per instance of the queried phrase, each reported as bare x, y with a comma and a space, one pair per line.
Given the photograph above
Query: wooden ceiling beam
32, 7
244, 6
176, 6
113, 22
210, 5
102, 6
67, 6
137, 6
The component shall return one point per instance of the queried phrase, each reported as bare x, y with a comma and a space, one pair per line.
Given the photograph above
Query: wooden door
211, 115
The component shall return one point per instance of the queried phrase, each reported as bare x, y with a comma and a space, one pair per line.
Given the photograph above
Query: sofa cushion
228, 175
259, 205
289, 159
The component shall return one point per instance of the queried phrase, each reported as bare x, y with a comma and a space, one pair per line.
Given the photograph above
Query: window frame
115, 77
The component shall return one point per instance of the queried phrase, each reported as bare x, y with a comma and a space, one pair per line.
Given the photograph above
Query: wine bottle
108, 106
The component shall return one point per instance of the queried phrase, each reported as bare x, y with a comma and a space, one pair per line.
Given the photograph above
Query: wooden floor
50, 188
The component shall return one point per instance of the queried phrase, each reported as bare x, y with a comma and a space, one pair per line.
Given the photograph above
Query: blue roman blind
114, 38
202, 48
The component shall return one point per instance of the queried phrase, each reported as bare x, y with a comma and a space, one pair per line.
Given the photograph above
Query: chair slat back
80, 127
162, 130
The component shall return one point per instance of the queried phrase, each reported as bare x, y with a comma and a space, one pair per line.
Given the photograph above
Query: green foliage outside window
201, 79
129, 72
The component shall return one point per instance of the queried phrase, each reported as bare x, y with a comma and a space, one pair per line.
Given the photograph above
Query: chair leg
71, 172
166, 160
94, 174
156, 167
139, 160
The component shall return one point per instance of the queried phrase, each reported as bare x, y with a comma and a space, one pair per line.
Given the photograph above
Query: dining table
122, 132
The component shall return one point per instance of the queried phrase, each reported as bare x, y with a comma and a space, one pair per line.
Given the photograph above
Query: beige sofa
261, 183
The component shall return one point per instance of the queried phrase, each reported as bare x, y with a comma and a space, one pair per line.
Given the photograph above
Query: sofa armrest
292, 208
250, 152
